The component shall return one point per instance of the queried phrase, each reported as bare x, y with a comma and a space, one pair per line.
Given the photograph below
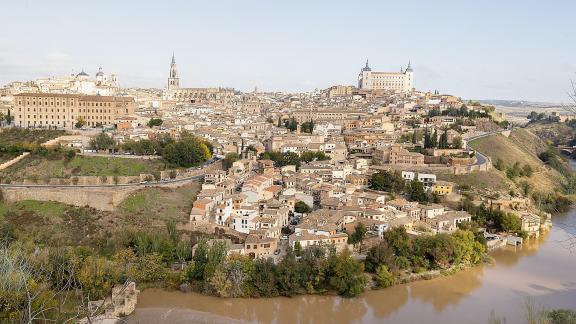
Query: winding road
481, 158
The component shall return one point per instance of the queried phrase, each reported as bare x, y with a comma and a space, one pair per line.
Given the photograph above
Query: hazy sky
490, 49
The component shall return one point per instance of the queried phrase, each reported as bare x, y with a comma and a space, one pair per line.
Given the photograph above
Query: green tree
313, 268
398, 239
80, 122
97, 276
457, 142
199, 261
297, 248
288, 280
387, 181
383, 277
215, 257
148, 268
307, 127
102, 142
427, 139
381, 254
443, 140
291, 124
499, 165
289, 158
186, 152
348, 275
509, 222
229, 159
434, 139
359, 234
155, 122
416, 191
309, 156
264, 278
301, 207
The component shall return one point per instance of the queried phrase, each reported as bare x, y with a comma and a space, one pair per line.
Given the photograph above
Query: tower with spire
173, 80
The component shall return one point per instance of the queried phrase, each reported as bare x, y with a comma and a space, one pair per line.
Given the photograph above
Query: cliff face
554, 133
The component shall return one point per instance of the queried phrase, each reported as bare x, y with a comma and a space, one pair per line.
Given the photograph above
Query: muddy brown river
543, 269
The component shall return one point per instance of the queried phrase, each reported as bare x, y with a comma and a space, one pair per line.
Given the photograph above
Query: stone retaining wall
13, 161
105, 198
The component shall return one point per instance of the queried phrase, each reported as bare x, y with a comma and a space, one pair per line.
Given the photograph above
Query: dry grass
161, 203
483, 180
523, 147
508, 150
61, 224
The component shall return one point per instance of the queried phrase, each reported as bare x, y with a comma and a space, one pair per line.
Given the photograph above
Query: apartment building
64, 110
397, 155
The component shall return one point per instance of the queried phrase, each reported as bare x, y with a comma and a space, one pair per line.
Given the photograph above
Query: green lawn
40, 167
98, 166
47, 209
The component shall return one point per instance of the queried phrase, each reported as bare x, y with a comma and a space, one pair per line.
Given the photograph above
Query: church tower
173, 80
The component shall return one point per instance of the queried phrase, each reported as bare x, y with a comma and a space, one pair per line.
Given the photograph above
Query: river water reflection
544, 269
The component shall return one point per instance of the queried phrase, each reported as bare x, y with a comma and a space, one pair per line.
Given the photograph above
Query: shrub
383, 277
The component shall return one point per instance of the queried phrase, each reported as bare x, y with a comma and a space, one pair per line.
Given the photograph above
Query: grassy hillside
508, 150
161, 203
40, 167
521, 147
484, 181
15, 136
47, 223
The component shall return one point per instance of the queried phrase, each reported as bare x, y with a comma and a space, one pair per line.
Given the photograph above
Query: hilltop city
393, 183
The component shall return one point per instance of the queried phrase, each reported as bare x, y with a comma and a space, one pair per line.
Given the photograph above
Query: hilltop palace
193, 95
402, 81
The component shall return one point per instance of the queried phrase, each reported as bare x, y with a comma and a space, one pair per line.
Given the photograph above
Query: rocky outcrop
121, 303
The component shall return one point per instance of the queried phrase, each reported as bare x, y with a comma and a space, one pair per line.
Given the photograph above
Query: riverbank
542, 269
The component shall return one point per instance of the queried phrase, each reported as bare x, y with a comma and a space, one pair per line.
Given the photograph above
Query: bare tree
35, 284
571, 107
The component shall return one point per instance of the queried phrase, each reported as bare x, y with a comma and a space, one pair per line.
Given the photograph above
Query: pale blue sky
513, 49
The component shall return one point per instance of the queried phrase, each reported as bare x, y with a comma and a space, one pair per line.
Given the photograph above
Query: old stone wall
100, 198
105, 198
13, 161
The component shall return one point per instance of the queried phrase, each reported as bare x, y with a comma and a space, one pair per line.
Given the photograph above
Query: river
543, 270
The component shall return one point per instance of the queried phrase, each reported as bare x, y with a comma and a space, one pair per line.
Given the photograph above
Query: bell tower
173, 80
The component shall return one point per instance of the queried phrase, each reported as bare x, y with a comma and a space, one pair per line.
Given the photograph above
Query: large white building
81, 83
402, 81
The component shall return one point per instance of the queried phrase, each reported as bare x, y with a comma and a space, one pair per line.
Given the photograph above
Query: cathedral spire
173, 80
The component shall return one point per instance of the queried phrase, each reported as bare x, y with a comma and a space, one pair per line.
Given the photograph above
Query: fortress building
193, 95
42, 110
402, 81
